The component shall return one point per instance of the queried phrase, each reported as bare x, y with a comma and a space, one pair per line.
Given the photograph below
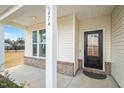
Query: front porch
35, 78
60, 43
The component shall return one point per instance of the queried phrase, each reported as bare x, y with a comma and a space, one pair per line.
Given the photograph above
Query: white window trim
38, 43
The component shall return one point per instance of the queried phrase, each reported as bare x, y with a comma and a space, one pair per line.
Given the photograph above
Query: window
39, 43
34, 36
42, 44
34, 49
34, 40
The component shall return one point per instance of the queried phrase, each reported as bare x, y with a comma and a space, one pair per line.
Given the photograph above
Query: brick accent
40, 63
80, 62
108, 68
66, 68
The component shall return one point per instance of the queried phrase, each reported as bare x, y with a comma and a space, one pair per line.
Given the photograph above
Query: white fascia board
10, 11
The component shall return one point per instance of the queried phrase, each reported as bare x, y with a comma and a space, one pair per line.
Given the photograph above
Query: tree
16, 44
20, 43
8, 41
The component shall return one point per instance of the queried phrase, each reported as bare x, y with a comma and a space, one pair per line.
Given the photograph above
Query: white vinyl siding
66, 39
118, 44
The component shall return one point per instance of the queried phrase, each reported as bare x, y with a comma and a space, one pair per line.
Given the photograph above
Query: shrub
7, 82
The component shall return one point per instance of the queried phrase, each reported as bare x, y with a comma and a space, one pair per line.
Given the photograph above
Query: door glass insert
93, 45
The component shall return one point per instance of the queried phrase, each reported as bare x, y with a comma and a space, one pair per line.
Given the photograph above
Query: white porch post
51, 46
1, 47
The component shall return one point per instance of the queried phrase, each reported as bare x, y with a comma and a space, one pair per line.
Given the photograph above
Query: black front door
93, 49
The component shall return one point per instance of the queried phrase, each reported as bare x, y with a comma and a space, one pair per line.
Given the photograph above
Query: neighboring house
90, 37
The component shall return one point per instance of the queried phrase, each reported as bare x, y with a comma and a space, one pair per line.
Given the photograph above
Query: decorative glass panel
34, 49
93, 45
34, 35
42, 50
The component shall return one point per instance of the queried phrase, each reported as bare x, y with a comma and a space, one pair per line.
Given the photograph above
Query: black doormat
94, 75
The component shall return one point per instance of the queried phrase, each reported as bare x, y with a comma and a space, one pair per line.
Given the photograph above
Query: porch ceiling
4, 8
29, 15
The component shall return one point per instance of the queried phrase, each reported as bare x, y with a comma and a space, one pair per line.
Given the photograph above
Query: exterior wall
65, 45
118, 45
65, 50
28, 39
76, 43
104, 23
70, 40
1, 47
65, 39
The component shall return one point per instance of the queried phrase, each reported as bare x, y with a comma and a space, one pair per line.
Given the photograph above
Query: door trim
82, 40
100, 42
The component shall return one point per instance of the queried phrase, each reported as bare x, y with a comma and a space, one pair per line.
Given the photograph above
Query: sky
13, 33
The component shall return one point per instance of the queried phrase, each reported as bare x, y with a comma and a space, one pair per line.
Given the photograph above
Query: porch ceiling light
33, 17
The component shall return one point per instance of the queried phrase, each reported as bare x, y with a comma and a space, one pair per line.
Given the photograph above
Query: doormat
94, 75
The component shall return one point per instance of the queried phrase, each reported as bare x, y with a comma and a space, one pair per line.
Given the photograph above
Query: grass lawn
13, 58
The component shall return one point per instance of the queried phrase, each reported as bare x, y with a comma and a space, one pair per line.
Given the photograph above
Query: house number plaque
48, 13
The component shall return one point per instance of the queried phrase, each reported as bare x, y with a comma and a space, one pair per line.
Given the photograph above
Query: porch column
1, 47
51, 46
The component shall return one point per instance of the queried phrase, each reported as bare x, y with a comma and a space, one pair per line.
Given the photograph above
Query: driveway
35, 78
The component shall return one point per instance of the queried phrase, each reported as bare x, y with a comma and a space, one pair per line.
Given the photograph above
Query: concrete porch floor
35, 78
